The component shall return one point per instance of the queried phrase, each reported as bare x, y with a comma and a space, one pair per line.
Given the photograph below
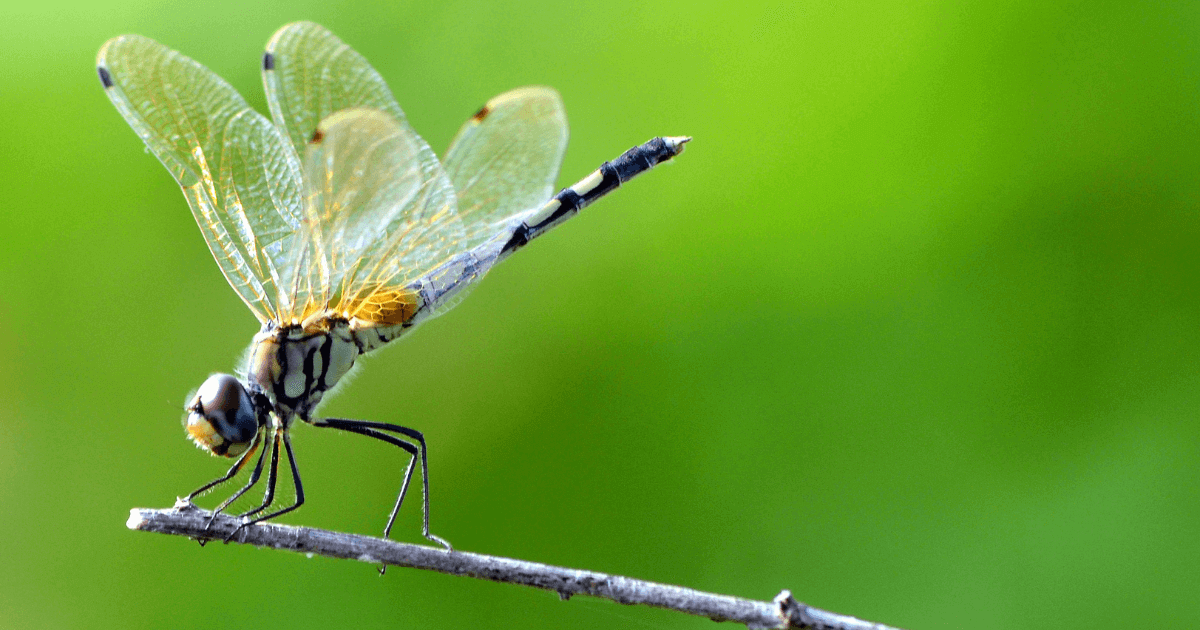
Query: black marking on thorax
268, 61
105, 77
262, 402
362, 348
313, 382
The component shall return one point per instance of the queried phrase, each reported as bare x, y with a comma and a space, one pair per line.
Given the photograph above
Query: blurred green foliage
912, 329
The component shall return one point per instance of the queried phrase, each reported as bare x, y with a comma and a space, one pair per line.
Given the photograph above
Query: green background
912, 329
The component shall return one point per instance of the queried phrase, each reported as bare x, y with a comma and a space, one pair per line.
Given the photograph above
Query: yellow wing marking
388, 307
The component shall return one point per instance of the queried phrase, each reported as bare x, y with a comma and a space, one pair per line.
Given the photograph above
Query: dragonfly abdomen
569, 201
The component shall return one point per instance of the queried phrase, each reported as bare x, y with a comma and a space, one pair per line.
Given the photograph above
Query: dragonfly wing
309, 74
236, 170
505, 159
375, 220
503, 164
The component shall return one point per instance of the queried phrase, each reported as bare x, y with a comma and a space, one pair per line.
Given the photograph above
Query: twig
783, 612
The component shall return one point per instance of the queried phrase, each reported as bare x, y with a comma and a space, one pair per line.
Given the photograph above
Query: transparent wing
309, 74
375, 221
505, 159
237, 171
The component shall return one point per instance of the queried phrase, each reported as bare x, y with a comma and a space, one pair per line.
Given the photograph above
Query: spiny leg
254, 476
424, 456
233, 470
272, 477
359, 426
412, 460
412, 451
287, 444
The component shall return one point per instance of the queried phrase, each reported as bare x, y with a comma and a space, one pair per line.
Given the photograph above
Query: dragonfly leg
254, 476
272, 476
233, 470
421, 452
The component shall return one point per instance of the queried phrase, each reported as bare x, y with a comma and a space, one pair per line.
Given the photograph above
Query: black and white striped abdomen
569, 201
445, 286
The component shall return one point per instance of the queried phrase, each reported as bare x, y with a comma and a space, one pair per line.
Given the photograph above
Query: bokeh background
912, 329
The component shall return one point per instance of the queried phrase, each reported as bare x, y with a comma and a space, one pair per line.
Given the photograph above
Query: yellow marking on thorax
264, 365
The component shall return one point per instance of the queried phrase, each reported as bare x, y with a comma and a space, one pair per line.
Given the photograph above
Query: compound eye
221, 418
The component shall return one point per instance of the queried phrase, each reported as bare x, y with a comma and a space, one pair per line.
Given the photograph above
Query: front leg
233, 470
271, 478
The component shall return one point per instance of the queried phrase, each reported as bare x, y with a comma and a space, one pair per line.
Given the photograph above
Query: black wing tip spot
481, 114
268, 61
105, 77
317, 137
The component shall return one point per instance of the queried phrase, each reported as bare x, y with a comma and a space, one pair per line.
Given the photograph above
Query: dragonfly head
221, 417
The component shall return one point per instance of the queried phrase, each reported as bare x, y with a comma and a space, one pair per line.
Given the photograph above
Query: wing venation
242, 186
505, 159
374, 220
335, 202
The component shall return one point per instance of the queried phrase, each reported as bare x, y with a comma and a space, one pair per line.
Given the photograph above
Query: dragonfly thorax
296, 364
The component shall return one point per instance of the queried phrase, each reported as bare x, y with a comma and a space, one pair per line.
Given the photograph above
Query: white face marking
588, 183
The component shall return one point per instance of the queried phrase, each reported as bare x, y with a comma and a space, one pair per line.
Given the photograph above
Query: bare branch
783, 612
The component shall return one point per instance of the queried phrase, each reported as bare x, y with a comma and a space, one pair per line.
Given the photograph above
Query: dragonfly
338, 226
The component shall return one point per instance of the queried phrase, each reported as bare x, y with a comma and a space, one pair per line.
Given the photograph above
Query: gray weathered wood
783, 612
